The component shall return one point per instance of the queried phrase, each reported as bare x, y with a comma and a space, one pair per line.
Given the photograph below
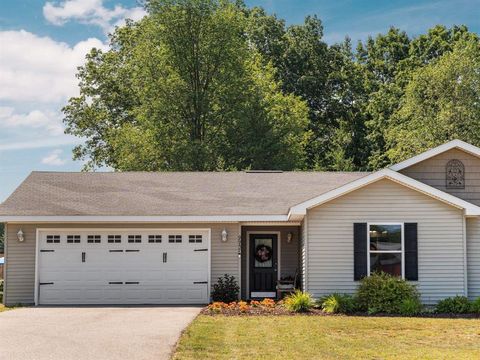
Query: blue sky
42, 42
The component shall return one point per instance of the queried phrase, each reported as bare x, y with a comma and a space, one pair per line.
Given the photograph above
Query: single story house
165, 238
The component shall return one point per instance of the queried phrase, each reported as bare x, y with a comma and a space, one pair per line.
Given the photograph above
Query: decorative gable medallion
455, 172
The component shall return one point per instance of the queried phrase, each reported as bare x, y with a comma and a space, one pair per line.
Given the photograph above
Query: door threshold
263, 294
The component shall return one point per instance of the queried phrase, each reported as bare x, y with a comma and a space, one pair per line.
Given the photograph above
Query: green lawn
329, 337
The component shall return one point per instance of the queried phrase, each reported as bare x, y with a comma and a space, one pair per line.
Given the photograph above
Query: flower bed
254, 307
271, 307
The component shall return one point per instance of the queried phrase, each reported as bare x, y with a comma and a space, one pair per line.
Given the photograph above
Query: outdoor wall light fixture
289, 237
20, 236
224, 235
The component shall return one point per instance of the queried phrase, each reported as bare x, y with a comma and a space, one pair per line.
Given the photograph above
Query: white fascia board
301, 209
143, 219
458, 144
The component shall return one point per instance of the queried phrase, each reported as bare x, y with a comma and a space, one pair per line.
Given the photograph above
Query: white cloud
91, 12
39, 69
38, 143
54, 159
35, 119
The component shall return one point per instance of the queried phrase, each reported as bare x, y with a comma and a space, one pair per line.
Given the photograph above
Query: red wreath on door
263, 253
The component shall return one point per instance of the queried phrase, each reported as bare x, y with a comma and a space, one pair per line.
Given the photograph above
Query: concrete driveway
92, 332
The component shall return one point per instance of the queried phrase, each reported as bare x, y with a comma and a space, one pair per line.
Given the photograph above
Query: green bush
226, 289
299, 301
338, 304
384, 293
454, 305
475, 305
410, 307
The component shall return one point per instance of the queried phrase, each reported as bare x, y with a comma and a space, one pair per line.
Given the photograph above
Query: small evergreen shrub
384, 293
476, 305
454, 305
299, 301
338, 304
226, 289
411, 307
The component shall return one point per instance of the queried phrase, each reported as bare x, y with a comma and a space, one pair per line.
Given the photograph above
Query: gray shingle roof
168, 193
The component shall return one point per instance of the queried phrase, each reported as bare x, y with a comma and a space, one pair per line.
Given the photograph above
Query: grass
5, 308
329, 337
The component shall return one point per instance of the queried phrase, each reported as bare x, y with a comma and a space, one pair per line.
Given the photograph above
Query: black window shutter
411, 251
359, 250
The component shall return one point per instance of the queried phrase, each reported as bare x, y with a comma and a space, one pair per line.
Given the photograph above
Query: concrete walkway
92, 332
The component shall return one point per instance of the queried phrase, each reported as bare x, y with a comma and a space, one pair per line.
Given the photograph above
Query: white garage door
123, 267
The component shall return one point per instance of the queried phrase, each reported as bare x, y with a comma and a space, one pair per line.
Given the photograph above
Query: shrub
226, 289
338, 304
1, 290
476, 305
410, 307
454, 305
384, 293
299, 301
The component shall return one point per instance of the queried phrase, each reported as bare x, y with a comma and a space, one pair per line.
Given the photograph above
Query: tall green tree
183, 90
441, 103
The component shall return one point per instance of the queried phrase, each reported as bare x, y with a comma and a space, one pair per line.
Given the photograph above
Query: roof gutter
142, 219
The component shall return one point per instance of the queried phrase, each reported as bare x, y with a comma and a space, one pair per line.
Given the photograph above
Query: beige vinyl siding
20, 274
440, 239
473, 257
433, 172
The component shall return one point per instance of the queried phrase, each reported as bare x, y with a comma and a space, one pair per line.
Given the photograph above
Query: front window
385, 246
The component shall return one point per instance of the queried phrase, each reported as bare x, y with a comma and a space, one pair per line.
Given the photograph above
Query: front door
263, 265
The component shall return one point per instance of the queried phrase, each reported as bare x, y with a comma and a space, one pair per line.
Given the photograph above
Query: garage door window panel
94, 239
53, 239
154, 238
174, 238
73, 239
114, 239
195, 239
135, 238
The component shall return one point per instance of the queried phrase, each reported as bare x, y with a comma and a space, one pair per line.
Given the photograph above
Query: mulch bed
261, 311
281, 311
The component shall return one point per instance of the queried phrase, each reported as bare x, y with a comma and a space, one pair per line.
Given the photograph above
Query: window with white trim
94, 239
114, 239
386, 249
194, 238
134, 238
73, 239
53, 239
154, 238
174, 238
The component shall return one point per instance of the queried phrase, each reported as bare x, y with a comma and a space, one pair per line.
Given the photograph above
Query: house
165, 238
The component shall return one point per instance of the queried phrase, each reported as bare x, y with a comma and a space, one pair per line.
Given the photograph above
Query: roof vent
263, 171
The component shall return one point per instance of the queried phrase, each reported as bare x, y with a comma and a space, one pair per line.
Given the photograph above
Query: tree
441, 103
183, 90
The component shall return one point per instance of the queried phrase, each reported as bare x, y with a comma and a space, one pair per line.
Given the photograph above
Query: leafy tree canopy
182, 90
216, 85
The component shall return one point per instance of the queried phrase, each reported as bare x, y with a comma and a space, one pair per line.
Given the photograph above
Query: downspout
240, 260
5, 265
465, 261
305, 245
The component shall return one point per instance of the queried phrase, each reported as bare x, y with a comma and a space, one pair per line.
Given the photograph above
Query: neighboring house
165, 238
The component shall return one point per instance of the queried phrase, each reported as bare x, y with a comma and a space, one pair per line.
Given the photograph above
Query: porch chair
285, 287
